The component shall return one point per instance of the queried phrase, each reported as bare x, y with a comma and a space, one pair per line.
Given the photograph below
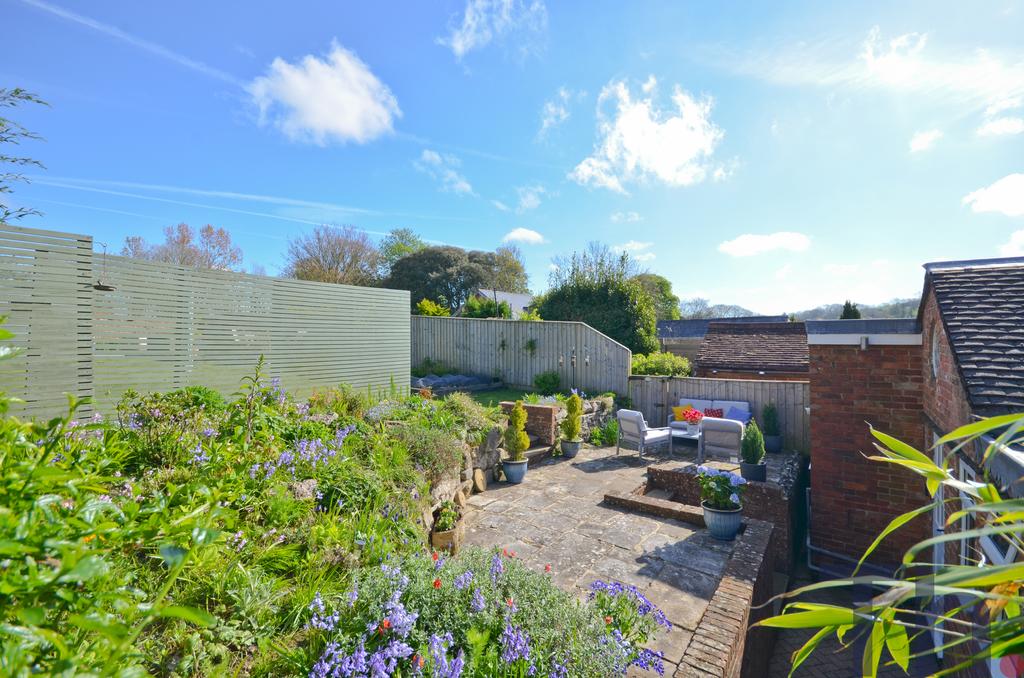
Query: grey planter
758, 472
515, 471
722, 524
773, 444
570, 448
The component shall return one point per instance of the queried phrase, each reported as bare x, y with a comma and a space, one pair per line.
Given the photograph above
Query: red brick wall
541, 421
853, 498
732, 374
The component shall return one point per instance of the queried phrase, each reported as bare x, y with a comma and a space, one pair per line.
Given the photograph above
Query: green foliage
547, 383
446, 274
14, 134
482, 307
431, 366
770, 415
399, 242
530, 314
659, 289
720, 490
595, 287
752, 446
661, 363
430, 308
516, 440
850, 311
602, 436
983, 621
447, 517
573, 418
530, 346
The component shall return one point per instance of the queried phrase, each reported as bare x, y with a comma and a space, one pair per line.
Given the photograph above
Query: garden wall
157, 327
655, 396
516, 351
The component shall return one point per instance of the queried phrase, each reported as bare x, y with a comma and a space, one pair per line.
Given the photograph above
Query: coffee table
683, 433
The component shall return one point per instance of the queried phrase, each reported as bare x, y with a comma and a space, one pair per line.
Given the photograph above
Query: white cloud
638, 141
784, 272
1005, 196
443, 168
1014, 247
908, 63
1001, 126
840, 269
922, 141
529, 197
486, 20
525, 236
554, 111
644, 256
502, 207
336, 98
636, 249
625, 217
750, 244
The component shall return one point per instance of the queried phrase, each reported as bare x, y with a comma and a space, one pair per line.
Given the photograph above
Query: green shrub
547, 383
447, 517
516, 439
430, 366
472, 418
531, 315
601, 436
434, 452
481, 307
771, 419
661, 363
752, 448
431, 308
573, 418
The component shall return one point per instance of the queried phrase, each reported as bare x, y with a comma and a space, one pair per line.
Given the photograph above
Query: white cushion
725, 405
655, 434
696, 404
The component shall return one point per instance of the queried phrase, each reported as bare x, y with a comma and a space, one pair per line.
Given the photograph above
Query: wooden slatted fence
164, 327
654, 396
516, 351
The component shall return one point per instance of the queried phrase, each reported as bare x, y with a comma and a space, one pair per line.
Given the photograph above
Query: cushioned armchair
719, 437
633, 429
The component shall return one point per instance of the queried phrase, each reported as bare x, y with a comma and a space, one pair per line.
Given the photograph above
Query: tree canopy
666, 304
399, 242
850, 311
447, 275
213, 248
335, 255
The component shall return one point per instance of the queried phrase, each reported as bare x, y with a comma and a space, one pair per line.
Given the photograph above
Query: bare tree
337, 255
695, 308
213, 249
11, 133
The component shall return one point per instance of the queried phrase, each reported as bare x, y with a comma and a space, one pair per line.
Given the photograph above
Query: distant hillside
897, 308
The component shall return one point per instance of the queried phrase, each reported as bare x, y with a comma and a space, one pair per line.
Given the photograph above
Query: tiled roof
695, 329
982, 308
771, 347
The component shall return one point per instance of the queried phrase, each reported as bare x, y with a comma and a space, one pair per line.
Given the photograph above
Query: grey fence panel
654, 396
516, 351
163, 327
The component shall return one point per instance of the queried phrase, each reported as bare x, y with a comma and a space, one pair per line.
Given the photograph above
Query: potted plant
516, 444
752, 465
571, 426
772, 436
448, 531
720, 493
692, 418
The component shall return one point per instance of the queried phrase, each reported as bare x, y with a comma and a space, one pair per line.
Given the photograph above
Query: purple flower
443, 667
649, 659
478, 603
199, 456
734, 498
515, 644
321, 620
497, 567
209, 432
463, 580
353, 595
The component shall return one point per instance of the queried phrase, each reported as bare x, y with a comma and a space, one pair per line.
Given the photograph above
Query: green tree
13, 134
430, 308
510, 271
398, 243
850, 311
596, 287
444, 274
666, 304
481, 307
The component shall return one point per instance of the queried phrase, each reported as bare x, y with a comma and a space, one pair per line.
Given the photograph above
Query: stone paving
556, 517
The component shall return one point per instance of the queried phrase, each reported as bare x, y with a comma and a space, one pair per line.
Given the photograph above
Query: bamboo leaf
978, 428
896, 523
805, 651
902, 449
897, 644
824, 615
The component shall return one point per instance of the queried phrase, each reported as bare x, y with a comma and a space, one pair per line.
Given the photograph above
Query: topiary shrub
516, 440
573, 418
547, 383
752, 448
771, 420
661, 363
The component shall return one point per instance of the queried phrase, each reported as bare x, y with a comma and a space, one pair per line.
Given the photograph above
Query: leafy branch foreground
978, 610
189, 536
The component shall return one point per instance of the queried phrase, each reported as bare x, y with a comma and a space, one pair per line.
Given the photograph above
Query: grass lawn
492, 398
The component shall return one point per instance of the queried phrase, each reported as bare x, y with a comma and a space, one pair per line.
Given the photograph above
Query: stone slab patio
558, 517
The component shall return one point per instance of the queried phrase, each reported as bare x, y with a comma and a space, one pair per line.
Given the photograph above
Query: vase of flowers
752, 464
448, 531
692, 418
720, 494
516, 444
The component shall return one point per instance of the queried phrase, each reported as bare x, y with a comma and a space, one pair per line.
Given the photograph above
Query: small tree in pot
516, 444
772, 435
720, 497
571, 426
752, 465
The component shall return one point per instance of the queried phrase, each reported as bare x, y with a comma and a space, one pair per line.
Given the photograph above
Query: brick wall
541, 422
735, 374
853, 498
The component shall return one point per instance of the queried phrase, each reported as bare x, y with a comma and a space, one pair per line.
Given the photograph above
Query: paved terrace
557, 517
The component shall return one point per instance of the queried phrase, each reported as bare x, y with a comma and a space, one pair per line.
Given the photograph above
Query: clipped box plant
516, 444
571, 426
772, 433
752, 464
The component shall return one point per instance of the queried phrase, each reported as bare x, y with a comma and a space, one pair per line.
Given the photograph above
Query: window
935, 351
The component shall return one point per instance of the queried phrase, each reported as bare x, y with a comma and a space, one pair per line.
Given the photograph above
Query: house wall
854, 498
687, 347
756, 375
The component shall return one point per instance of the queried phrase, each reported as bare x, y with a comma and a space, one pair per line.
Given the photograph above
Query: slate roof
768, 347
696, 329
982, 308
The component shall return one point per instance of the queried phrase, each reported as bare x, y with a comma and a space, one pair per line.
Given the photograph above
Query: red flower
434, 556
417, 661
437, 583
608, 620
384, 626
547, 568
510, 602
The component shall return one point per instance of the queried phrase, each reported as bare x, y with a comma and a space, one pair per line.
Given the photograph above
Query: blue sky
776, 157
